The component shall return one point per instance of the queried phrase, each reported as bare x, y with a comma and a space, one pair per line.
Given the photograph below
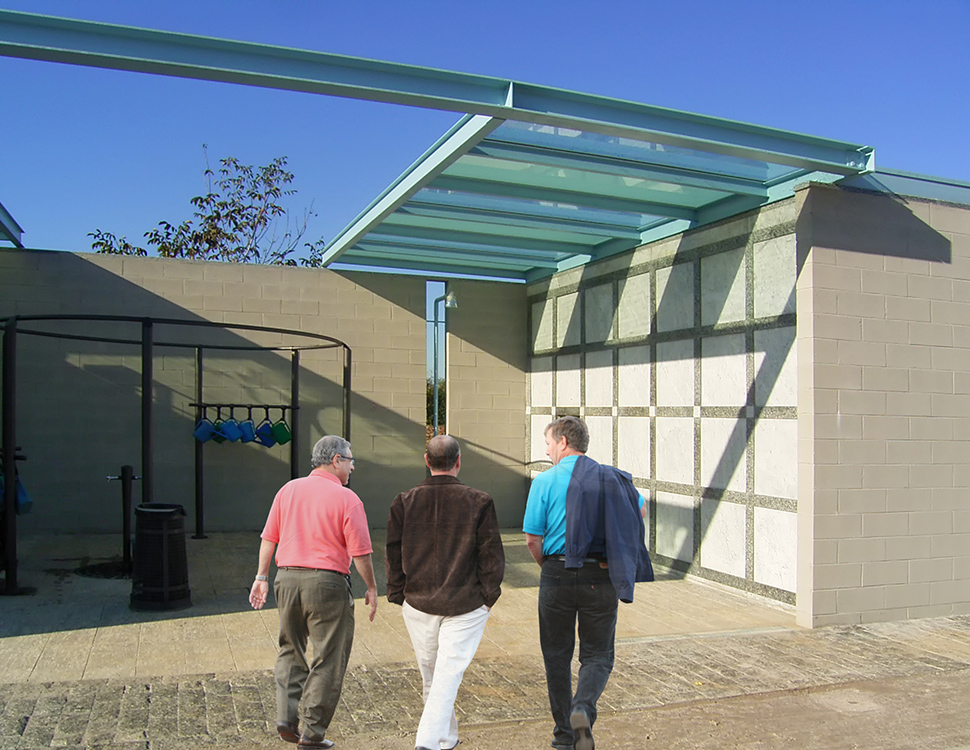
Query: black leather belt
562, 558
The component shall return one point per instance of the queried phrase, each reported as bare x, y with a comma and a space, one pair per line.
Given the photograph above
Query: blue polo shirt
545, 510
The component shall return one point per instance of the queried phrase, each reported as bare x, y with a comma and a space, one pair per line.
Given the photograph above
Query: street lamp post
450, 301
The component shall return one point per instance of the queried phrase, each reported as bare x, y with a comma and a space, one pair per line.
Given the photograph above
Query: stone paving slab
381, 703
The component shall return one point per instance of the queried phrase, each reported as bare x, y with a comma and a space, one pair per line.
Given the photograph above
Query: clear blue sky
85, 148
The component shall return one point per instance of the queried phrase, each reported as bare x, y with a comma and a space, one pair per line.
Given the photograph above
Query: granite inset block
633, 445
775, 538
541, 381
675, 526
675, 297
775, 367
724, 538
599, 378
567, 320
775, 458
633, 376
542, 325
724, 372
600, 313
722, 288
675, 450
633, 311
774, 277
723, 454
567, 380
675, 373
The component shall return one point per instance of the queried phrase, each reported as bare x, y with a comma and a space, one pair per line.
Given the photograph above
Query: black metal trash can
160, 579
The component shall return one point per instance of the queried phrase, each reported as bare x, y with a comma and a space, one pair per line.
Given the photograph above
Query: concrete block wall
680, 357
884, 407
487, 360
79, 402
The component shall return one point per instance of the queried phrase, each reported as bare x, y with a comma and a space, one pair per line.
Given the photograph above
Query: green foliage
240, 219
441, 402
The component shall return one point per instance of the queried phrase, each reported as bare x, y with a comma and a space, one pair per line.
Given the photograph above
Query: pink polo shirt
317, 523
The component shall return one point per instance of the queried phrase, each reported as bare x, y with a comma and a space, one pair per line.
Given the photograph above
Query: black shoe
320, 743
584, 737
289, 732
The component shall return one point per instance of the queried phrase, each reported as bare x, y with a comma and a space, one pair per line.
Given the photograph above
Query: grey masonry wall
884, 407
79, 402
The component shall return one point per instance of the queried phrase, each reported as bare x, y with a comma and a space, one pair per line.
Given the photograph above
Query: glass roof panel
444, 225
485, 169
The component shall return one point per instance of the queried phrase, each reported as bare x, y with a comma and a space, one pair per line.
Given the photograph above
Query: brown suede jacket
444, 551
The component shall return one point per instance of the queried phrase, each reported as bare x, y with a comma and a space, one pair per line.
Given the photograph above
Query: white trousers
444, 647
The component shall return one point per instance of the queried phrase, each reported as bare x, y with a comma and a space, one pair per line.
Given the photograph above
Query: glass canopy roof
522, 200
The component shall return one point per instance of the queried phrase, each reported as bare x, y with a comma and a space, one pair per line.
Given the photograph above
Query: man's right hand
371, 598
258, 594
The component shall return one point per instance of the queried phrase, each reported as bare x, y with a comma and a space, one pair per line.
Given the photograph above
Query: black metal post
199, 465
295, 414
147, 359
127, 475
10, 454
347, 368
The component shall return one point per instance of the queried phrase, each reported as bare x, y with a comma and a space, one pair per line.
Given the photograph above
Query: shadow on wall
79, 403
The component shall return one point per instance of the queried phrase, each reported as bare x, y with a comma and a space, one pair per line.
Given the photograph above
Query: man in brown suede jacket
445, 565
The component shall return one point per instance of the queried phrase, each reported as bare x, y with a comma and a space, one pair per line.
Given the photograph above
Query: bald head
443, 454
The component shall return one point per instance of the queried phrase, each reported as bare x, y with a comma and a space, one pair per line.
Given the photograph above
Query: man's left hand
371, 598
259, 592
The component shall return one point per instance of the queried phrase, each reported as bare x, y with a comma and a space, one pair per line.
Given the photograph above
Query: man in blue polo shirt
584, 526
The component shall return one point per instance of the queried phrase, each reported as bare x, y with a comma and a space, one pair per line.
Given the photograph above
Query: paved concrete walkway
698, 666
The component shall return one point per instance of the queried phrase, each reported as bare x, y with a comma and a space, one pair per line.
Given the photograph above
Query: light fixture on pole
450, 301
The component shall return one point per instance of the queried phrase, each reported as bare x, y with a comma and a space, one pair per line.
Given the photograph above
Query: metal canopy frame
531, 180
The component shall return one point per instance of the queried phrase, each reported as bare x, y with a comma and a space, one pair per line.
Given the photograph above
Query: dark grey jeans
568, 595
315, 605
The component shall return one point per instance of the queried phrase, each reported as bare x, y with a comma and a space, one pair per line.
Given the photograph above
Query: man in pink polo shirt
319, 526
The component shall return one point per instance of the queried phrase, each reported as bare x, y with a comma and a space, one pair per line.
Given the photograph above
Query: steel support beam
66, 40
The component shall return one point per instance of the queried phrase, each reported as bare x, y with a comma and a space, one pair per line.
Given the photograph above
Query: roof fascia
65, 40
449, 148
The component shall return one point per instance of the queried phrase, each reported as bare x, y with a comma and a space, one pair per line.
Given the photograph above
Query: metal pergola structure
530, 181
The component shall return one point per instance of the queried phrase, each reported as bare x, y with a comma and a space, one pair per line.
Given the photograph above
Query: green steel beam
66, 40
550, 157
9, 228
537, 257
449, 148
431, 269
473, 242
522, 219
569, 197
377, 251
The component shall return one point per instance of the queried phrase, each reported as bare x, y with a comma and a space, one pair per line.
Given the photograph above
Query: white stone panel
633, 310
724, 371
675, 449
724, 539
599, 378
723, 461
775, 367
675, 297
775, 458
541, 381
600, 313
538, 442
775, 541
675, 373
675, 526
774, 276
722, 288
633, 445
542, 325
633, 376
567, 380
567, 320
600, 439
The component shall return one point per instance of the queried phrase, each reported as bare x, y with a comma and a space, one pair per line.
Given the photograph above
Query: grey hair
326, 448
